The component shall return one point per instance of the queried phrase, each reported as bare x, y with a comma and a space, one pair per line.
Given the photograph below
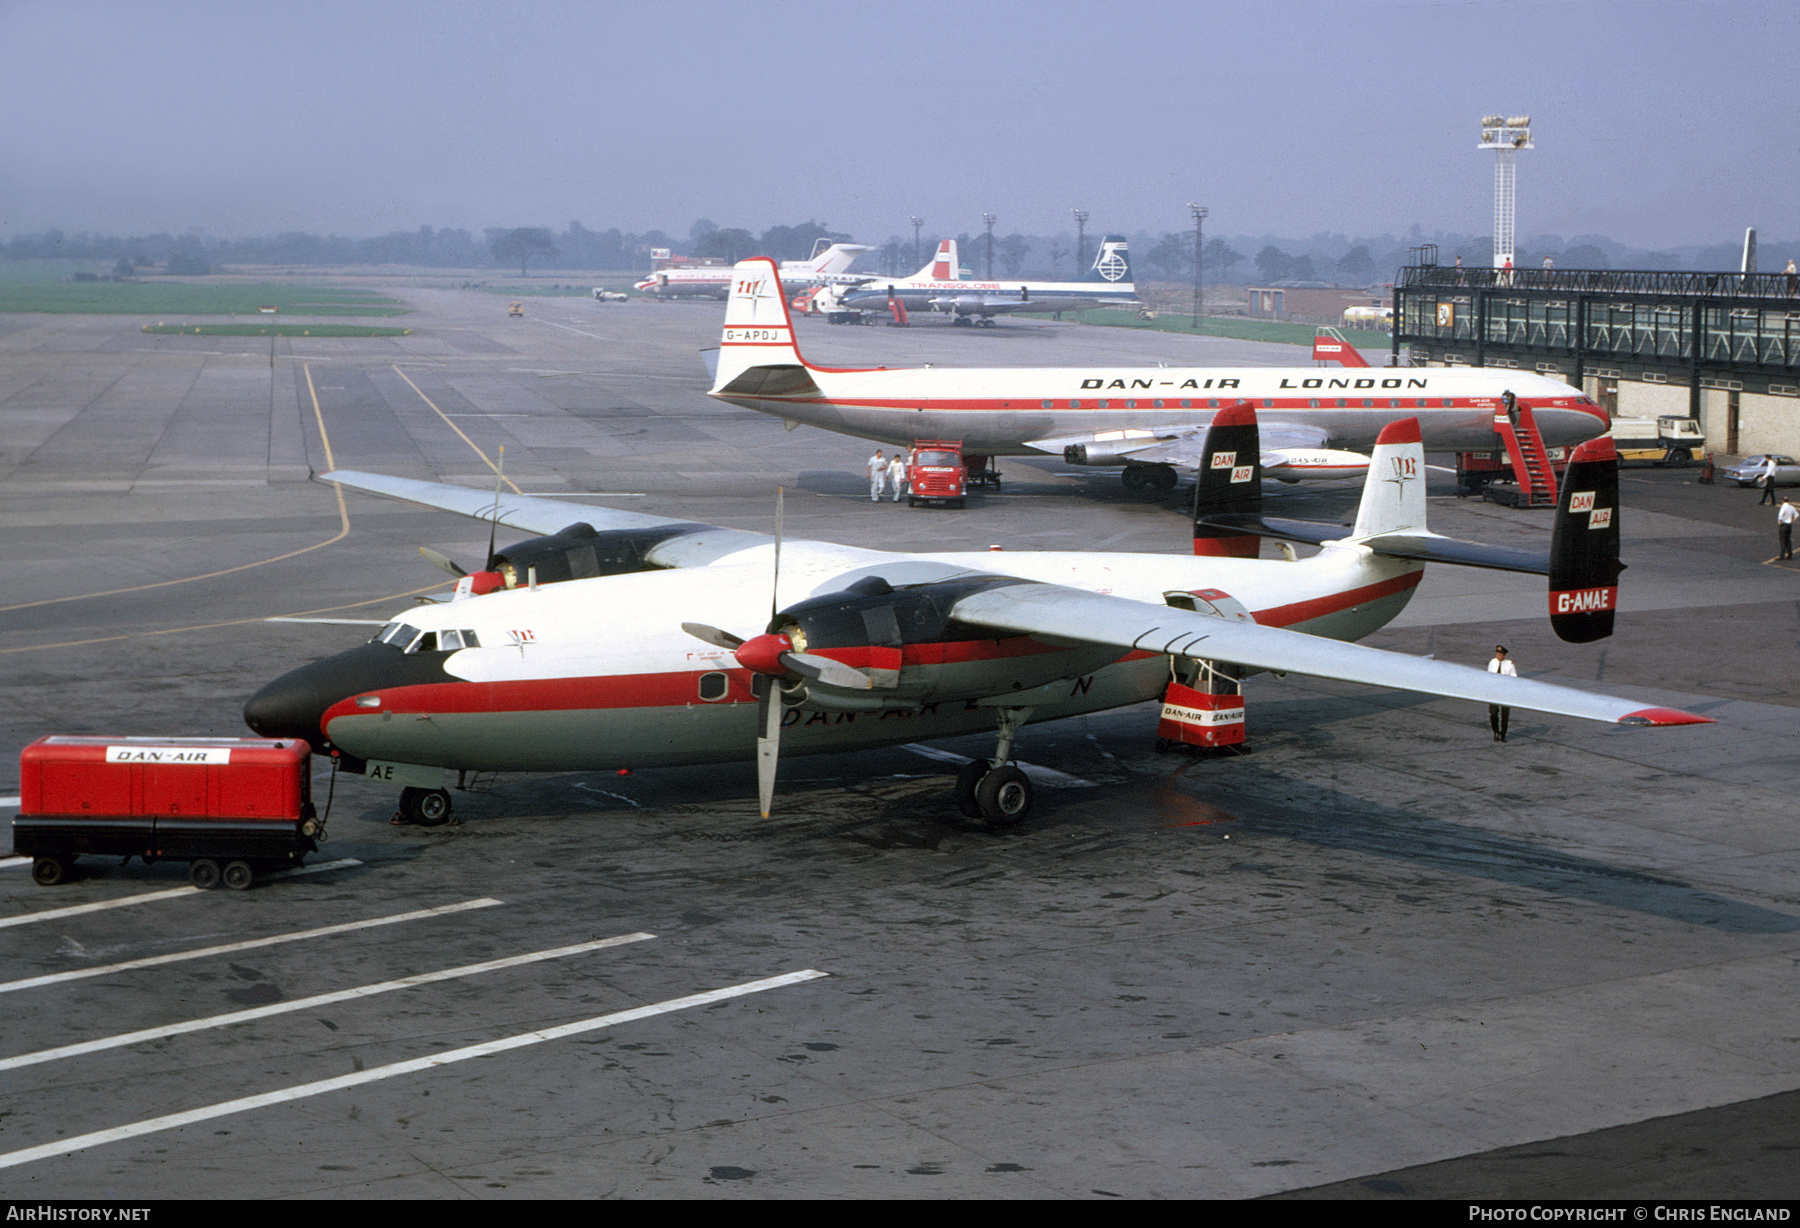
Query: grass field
152, 298
1219, 326
276, 330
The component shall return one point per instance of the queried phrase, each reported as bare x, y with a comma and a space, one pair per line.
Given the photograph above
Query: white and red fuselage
598, 674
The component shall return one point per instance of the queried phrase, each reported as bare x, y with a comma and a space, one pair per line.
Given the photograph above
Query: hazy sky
1659, 122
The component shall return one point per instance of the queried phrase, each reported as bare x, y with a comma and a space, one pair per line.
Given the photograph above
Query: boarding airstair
1531, 466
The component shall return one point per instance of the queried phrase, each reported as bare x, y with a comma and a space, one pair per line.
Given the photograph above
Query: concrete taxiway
1383, 955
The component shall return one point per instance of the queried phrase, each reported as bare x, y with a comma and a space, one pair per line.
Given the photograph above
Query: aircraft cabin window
714, 686
398, 634
1131, 405
1368, 404
1104, 404
1074, 404
427, 642
1158, 404
1314, 402
1187, 405
1049, 405
1342, 403
1268, 403
1449, 403
1213, 404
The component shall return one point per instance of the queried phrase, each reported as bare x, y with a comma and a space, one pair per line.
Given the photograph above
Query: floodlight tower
1505, 136
1081, 217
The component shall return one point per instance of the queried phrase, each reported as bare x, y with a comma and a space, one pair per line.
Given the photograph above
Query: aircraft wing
515, 511
1074, 614
1184, 446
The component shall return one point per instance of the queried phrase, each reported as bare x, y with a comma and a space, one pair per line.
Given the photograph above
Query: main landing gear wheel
49, 871
1161, 477
426, 807
1004, 796
204, 873
1135, 477
967, 782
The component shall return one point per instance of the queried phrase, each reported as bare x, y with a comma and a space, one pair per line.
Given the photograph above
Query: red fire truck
935, 473
228, 806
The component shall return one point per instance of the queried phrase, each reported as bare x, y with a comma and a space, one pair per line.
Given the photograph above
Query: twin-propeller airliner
631, 640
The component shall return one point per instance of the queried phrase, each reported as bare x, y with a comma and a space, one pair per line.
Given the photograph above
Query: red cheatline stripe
1318, 607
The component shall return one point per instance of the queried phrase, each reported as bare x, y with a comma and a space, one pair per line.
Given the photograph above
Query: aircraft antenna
494, 520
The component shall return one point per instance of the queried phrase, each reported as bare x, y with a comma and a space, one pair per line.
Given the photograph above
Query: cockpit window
409, 639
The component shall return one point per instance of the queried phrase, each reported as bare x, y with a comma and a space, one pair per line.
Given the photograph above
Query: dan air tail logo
1581, 501
1224, 460
1600, 517
1241, 473
1111, 264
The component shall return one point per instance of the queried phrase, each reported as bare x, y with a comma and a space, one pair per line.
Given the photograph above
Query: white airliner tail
759, 333
943, 266
1393, 499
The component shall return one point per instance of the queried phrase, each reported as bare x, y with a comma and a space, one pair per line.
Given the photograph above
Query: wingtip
1664, 716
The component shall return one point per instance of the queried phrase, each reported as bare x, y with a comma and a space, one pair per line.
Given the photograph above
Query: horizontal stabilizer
1425, 547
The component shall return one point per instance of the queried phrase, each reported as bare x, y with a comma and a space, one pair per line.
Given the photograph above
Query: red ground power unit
227, 805
1195, 718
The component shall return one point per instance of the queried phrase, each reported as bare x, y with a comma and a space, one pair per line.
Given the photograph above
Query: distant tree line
1165, 256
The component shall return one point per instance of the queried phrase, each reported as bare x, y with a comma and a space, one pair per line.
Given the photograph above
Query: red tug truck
228, 806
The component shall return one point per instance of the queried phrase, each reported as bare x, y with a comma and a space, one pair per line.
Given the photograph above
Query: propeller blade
768, 742
828, 671
713, 636
441, 560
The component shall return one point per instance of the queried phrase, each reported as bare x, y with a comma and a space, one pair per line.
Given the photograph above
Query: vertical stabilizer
943, 266
758, 330
1584, 545
1229, 482
1112, 264
1393, 498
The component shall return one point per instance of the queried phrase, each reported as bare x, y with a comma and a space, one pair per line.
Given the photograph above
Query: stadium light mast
1505, 136
989, 219
1199, 212
1081, 217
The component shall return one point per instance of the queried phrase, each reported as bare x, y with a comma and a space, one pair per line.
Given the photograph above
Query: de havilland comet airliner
1151, 420
637, 641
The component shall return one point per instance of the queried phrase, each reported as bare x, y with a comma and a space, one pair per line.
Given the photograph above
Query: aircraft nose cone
294, 704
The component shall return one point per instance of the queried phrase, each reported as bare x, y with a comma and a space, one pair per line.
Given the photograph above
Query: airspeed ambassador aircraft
639, 641
1150, 420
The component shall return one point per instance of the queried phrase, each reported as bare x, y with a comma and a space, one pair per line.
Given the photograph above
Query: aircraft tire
1134, 477
968, 781
238, 875
49, 871
426, 807
204, 873
1004, 795
1162, 477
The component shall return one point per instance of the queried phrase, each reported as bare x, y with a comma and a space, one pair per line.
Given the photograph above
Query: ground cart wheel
49, 871
1004, 795
238, 875
204, 873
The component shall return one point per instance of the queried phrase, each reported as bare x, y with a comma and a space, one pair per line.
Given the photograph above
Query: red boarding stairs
1530, 459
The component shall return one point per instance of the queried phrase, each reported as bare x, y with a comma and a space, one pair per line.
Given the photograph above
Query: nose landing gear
425, 807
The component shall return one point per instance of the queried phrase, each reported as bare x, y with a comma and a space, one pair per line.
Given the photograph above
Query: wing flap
1050, 609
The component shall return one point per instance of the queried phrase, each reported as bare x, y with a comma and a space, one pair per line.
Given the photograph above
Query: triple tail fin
1393, 498
1584, 545
1229, 483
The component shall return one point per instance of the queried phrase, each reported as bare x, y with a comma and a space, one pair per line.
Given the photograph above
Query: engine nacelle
580, 552
909, 642
1108, 448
